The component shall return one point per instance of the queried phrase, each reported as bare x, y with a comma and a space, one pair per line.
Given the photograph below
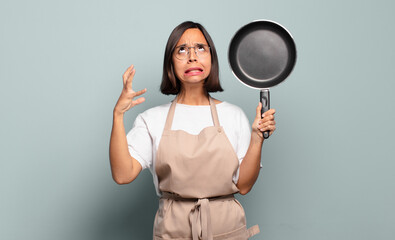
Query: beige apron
195, 175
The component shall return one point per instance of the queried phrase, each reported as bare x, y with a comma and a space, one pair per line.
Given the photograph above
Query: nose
192, 55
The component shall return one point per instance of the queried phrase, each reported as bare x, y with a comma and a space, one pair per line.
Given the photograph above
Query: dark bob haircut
170, 83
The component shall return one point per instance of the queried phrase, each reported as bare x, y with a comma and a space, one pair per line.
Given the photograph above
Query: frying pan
261, 55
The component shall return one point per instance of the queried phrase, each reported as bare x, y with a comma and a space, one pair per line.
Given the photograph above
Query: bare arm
124, 168
250, 166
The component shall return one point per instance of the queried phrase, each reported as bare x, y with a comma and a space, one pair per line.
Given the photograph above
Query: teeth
194, 70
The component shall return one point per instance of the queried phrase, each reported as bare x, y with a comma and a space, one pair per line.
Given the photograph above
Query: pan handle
265, 100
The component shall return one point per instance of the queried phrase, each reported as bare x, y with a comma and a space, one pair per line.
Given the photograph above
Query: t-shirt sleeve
243, 140
140, 142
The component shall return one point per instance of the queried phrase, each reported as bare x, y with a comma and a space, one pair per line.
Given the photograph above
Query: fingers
138, 101
271, 111
268, 116
129, 80
128, 77
270, 128
258, 110
267, 126
268, 112
267, 123
136, 94
127, 73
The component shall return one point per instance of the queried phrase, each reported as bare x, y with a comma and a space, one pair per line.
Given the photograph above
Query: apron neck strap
214, 113
170, 115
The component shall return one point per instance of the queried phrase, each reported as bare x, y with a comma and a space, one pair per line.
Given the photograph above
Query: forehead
192, 36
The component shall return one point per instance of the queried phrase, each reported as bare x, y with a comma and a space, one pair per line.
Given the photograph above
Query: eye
182, 50
201, 48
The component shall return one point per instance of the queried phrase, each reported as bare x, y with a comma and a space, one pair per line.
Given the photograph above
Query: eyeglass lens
183, 52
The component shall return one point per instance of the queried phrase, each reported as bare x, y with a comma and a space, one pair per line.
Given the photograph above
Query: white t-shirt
143, 139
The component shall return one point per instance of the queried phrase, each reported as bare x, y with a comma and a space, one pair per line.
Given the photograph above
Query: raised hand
126, 101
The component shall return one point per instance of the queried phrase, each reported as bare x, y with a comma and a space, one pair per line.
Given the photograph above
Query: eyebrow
184, 45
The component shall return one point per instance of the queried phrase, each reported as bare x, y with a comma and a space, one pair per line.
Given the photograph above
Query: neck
193, 96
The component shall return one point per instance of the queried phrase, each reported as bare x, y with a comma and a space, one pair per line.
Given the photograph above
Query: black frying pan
261, 55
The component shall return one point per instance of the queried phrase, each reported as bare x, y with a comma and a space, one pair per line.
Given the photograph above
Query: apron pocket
226, 216
172, 220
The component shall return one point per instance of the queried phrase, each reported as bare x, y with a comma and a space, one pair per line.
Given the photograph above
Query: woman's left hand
262, 124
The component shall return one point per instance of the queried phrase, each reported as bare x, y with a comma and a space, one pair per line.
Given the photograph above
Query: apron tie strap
200, 220
200, 216
252, 231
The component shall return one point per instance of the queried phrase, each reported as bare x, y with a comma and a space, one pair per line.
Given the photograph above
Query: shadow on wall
129, 213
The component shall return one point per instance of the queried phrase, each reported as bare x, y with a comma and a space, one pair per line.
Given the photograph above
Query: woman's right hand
125, 101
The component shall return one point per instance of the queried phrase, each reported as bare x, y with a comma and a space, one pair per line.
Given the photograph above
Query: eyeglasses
201, 50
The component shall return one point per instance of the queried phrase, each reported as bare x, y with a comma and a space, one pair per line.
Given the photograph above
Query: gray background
327, 172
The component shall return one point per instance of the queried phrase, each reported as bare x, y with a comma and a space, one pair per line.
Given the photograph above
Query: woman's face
193, 69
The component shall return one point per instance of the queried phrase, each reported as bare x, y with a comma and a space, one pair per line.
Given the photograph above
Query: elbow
121, 181
244, 190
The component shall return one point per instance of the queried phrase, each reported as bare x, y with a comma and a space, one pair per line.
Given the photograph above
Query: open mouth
194, 70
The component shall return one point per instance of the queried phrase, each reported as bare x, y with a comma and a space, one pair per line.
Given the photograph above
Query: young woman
200, 150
